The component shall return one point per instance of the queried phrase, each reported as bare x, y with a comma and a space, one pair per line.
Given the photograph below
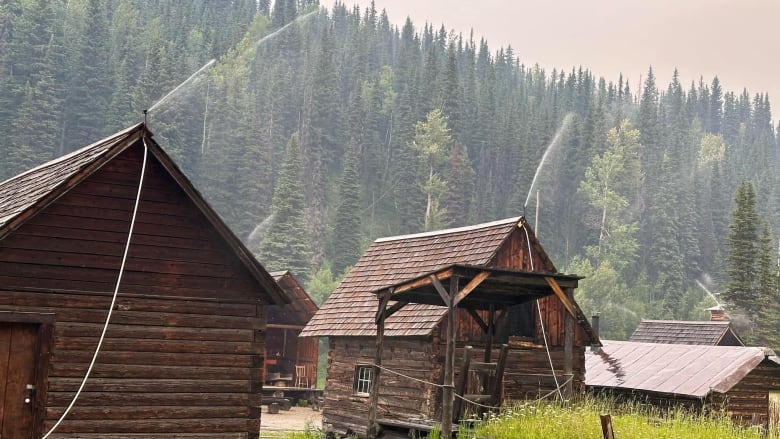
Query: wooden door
18, 354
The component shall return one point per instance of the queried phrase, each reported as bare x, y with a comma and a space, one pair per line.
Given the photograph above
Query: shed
415, 335
744, 381
184, 351
284, 349
710, 333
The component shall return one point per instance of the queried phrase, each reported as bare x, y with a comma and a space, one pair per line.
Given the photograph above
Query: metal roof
683, 332
350, 309
685, 370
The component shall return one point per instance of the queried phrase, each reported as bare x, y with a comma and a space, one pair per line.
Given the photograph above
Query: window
362, 385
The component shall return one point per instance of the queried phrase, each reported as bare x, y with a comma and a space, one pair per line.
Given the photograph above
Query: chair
301, 379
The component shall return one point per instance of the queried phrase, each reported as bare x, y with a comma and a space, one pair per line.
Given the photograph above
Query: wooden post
491, 329
449, 364
606, 427
463, 380
568, 347
373, 429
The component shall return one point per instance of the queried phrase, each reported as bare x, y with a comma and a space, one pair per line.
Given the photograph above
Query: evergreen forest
314, 132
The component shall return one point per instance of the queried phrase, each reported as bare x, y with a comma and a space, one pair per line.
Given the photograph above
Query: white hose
113, 299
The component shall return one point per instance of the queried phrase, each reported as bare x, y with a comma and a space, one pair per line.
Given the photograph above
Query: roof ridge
449, 231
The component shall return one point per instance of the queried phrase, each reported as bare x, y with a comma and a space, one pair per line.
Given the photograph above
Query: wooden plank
460, 386
162, 359
445, 296
220, 427
473, 283
422, 281
109, 411
145, 385
62, 399
152, 345
478, 319
154, 371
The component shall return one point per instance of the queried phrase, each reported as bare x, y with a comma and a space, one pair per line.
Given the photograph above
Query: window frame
361, 385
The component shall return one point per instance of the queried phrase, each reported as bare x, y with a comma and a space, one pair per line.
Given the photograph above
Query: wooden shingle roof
25, 195
301, 307
709, 333
350, 309
674, 369
20, 195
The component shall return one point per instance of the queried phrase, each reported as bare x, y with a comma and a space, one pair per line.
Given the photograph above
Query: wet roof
686, 370
350, 309
683, 332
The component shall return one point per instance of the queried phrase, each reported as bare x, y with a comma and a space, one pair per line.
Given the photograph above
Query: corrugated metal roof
350, 309
688, 370
681, 332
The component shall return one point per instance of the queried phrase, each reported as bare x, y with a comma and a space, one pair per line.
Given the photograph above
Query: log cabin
739, 380
710, 333
183, 352
414, 352
290, 361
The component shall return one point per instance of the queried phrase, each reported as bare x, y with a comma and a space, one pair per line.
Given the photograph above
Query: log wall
183, 355
527, 376
399, 397
748, 400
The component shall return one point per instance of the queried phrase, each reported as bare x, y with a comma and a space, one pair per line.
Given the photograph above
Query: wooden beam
442, 292
384, 298
422, 282
373, 428
448, 392
394, 308
478, 319
473, 283
575, 311
561, 295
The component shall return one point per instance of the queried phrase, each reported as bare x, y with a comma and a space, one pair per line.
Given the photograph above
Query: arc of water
564, 125
178, 87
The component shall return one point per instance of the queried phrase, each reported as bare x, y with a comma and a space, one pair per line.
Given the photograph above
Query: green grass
581, 420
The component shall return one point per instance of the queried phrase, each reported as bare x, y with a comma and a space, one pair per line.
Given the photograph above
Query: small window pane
362, 380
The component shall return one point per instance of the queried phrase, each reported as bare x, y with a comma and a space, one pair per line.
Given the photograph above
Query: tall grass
549, 420
580, 420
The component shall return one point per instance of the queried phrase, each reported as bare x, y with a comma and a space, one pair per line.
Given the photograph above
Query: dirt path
295, 419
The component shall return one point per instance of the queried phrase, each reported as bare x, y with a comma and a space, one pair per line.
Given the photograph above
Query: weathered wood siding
750, 396
399, 397
184, 353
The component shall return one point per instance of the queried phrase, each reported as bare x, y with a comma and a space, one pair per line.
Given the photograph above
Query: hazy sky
737, 40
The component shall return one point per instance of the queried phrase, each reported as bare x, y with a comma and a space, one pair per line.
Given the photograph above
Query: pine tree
286, 245
767, 319
346, 227
742, 243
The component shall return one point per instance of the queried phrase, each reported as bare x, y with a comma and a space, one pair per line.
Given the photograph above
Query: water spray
186, 81
701, 285
274, 33
564, 126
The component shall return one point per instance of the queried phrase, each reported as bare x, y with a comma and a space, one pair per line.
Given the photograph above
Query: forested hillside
315, 132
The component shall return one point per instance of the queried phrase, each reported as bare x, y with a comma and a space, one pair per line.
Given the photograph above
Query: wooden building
743, 381
415, 335
183, 353
290, 361
711, 333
